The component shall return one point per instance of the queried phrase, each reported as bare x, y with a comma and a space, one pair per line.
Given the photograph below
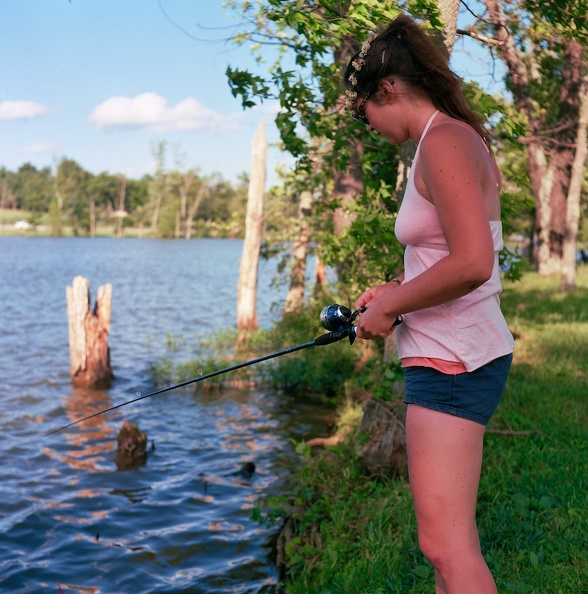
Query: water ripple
181, 520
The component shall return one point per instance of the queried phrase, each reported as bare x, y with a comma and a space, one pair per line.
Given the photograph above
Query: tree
103, 191
71, 188
543, 45
314, 40
247, 289
159, 187
295, 297
33, 189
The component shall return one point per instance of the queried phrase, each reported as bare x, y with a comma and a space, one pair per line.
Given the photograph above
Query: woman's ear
386, 91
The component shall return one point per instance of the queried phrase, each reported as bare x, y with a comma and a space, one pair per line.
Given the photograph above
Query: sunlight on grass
533, 504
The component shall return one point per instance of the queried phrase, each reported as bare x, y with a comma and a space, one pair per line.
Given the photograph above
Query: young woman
454, 343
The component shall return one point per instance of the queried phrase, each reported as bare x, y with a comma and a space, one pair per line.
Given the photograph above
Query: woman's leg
444, 463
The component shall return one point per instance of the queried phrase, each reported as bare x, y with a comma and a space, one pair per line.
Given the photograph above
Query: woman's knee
443, 551
431, 549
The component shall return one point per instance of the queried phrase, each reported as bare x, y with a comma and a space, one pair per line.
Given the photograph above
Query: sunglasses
358, 113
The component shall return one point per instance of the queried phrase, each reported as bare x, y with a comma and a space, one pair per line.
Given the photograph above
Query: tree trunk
178, 225
247, 290
384, 453
295, 297
88, 334
449, 10
320, 276
549, 169
121, 208
568, 276
92, 218
194, 208
347, 185
159, 185
542, 178
185, 184
562, 154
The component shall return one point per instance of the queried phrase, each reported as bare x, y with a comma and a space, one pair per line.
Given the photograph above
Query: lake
181, 522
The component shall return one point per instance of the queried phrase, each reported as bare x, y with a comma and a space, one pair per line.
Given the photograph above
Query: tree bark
568, 276
295, 296
384, 453
549, 156
449, 10
88, 334
194, 208
92, 217
121, 208
247, 290
186, 181
159, 185
320, 276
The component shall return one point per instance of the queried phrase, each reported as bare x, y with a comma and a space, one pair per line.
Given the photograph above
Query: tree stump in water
88, 334
384, 452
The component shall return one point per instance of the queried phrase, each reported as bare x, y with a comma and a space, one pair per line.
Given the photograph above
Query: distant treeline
170, 203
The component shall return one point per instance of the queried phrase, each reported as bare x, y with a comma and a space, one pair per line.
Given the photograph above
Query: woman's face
384, 113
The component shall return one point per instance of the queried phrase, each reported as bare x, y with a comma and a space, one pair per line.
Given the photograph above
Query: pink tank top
465, 333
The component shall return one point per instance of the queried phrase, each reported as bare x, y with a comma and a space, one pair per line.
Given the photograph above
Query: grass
357, 534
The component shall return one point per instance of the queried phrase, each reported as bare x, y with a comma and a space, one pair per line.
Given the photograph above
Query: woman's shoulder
452, 128
451, 137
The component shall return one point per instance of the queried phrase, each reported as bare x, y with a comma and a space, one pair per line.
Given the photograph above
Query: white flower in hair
357, 65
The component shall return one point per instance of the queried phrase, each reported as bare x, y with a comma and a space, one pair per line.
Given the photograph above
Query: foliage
541, 32
318, 372
62, 199
313, 41
357, 534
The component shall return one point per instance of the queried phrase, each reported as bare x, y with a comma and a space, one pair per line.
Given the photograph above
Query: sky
102, 82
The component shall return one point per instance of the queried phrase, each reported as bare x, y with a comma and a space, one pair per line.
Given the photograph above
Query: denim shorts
474, 395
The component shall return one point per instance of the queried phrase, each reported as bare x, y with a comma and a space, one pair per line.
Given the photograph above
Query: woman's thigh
444, 463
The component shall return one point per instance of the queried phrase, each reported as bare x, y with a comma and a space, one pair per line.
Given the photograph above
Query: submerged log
88, 334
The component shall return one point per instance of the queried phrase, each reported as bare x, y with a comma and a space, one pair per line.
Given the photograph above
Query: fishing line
336, 318
202, 375
254, 352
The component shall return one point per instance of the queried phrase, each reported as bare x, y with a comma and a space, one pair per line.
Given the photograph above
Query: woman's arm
448, 175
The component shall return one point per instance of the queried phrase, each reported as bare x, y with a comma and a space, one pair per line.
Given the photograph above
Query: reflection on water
179, 522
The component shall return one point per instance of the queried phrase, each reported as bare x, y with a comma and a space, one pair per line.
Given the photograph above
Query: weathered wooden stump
385, 450
88, 334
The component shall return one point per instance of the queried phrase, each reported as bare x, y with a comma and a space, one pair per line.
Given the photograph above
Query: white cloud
40, 148
22, 110
152, 111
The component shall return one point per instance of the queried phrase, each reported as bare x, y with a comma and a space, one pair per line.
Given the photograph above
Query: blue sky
103, 81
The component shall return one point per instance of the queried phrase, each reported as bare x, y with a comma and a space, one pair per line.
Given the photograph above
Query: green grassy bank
357, 534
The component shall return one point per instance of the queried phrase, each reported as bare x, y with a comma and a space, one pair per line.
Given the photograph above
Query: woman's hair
403, 50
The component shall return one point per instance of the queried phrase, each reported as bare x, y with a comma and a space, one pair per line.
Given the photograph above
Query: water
181, 522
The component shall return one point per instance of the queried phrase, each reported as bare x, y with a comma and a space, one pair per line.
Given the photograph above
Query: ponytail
403, 50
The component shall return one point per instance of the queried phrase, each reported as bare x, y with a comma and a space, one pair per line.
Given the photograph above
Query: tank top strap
428, 125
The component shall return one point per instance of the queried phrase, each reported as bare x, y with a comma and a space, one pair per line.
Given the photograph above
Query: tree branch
487, 40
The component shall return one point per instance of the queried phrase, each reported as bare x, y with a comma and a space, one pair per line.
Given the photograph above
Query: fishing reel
334, 317
339, 320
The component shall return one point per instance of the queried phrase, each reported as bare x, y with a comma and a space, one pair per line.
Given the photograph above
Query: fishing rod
336, 318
